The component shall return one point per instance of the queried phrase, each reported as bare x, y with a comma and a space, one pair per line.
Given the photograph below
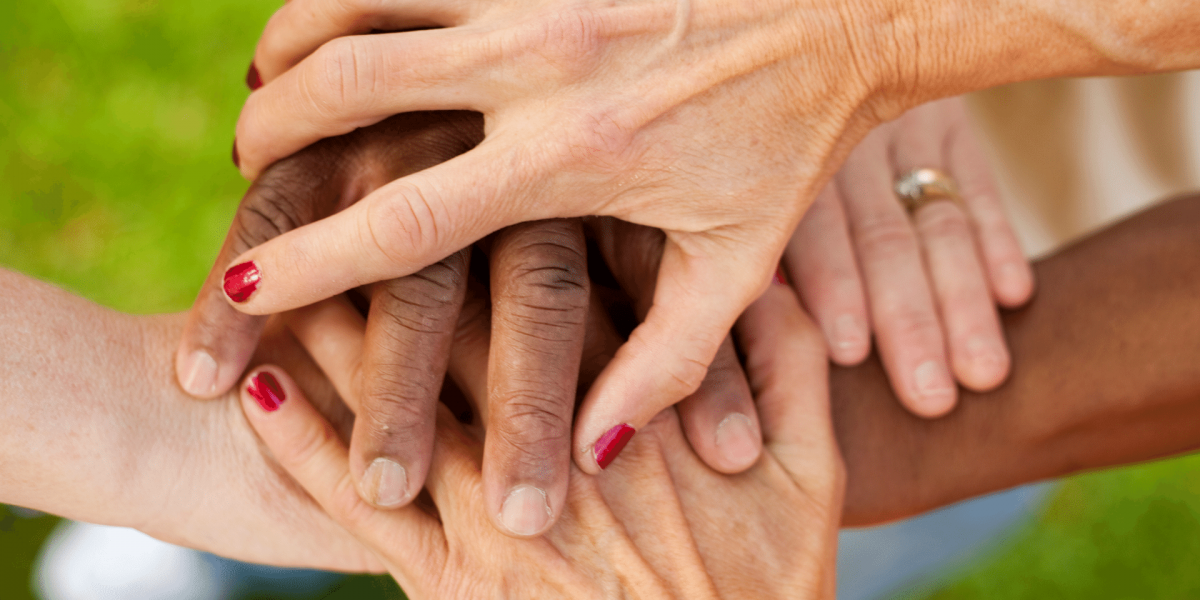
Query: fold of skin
1105, 373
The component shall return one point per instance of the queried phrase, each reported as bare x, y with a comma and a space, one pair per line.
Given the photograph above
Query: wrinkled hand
716, 124
660, 526
926, 284
535, 303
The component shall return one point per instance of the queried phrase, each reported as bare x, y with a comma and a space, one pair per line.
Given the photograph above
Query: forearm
1106, 371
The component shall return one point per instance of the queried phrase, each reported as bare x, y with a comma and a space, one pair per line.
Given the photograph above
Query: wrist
931, 50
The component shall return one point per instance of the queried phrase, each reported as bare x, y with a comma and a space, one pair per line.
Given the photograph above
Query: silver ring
919, 187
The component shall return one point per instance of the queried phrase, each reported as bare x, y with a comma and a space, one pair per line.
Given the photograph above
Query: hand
659, 526
717, 126
538, 295
927, 283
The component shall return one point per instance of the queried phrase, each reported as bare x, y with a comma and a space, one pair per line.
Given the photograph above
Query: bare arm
1106, 371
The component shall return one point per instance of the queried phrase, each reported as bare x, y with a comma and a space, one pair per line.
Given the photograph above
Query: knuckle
944, 220
533, 422
271, 209
423, 303
884, 235
343, 77
400, 407
404, 225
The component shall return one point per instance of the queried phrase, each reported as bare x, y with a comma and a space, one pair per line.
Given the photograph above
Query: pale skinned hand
926, 284
538, 295
660, 526
589, 110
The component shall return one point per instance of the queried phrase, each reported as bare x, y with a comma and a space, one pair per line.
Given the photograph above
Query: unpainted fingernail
385, 483
241, 281
935, 388
738, 441
849, 333
199, 373
526, 511
986, 355
611, 443
253, 79
265, 390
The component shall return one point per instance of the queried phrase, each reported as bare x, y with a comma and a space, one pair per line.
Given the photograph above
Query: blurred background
116, 126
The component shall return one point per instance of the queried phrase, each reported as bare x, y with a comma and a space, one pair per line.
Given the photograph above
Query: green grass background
116, 123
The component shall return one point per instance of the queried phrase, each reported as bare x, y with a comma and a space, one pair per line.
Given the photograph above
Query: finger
1008, 271
333, 333
218, 341
821, 262
720, 419
406, 348
308, 448
978, 352
353, 82
395, 231
789, 375
540, 293
666, 358
907, 328
302, 26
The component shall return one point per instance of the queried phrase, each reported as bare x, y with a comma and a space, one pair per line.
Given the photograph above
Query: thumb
696, 301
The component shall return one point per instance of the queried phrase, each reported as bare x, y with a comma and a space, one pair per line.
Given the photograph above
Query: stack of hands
588, 258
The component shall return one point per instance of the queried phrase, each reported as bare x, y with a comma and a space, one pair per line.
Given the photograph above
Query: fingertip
849, 339
738, 441
525, 512
985, 364
1014, 284
385, 484
934, 392
197, 371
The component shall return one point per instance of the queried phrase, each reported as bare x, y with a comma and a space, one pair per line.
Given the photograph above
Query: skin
539, 292
143, 454
717, 122
928, 283
536, 301
656, 527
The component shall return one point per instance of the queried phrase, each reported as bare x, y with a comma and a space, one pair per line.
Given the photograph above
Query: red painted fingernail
265, 389
778, 278
610, 444
241, 281
253, 79
237, 160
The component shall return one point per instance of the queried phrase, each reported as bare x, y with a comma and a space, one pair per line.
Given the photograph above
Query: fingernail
778, 278
934, 386
386, 483
265, 389
985, 355
200, 373
525, 510
848, 332
737, 440
253, 80
241, 281
611, 443
237, 160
